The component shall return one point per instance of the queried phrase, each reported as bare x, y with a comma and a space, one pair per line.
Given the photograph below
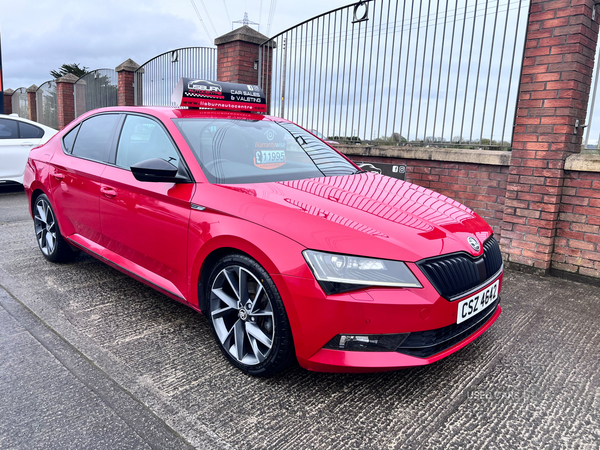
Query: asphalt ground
90, 358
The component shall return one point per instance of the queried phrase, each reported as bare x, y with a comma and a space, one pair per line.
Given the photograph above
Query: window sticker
269, 159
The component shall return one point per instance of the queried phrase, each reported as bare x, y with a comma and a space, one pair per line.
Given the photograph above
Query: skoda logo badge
473, 243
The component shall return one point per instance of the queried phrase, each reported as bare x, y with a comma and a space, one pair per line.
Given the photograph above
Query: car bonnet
365, 214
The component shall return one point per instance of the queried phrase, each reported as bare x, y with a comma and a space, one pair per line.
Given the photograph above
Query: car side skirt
131, 273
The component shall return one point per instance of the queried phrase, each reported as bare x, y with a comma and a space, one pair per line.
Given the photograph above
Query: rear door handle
58, 176
108, 191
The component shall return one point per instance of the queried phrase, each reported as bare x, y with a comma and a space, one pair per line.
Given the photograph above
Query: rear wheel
248, 318
51, 243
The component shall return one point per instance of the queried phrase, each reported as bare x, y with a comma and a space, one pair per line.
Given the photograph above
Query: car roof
165, 112
22, 119
19, 118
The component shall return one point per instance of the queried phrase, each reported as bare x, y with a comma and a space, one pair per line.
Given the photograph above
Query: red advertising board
195, 93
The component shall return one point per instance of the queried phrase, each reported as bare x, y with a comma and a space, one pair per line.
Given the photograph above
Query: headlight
341, 273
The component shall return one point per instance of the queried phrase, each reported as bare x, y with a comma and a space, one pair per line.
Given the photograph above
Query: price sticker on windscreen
269, 159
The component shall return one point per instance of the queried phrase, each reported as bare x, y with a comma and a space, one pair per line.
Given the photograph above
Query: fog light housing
367, 342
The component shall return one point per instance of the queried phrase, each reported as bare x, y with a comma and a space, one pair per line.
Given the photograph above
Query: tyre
247, 317
51, 243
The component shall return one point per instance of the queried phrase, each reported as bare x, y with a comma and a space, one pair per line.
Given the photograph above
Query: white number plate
473, 305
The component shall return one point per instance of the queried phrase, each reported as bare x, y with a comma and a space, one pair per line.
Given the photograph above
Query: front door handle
108, 191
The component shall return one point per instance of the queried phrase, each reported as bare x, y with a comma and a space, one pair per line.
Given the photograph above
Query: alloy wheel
45, 226
242, 315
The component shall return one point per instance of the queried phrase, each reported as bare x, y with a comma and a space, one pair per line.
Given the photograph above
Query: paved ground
91, 358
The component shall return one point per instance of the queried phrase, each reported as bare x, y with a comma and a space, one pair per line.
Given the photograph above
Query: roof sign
218, 95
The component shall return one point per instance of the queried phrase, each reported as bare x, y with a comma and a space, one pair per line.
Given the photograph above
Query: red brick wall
235, 62
66, 104
126, 90
32, 107
555, 84
577, 245
480, 187
7, 104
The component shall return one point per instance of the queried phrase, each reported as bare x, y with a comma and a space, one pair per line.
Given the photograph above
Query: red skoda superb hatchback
285, 245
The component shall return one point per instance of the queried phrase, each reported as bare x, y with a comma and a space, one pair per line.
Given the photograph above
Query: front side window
141, 139
95, 137
8, 129
257, 151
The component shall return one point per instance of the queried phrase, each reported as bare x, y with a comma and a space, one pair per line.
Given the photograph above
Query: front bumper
431, 320
346, 361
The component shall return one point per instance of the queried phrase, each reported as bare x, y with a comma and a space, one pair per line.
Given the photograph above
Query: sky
40, 36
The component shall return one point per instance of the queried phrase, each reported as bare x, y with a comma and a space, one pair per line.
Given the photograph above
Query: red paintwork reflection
367, 213
388, 198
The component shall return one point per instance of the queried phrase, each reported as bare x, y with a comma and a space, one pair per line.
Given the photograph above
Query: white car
17, 137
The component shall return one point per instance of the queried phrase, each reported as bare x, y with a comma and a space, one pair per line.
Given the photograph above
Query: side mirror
157, 170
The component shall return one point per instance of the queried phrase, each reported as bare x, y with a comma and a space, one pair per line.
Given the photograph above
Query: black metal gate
421, 72
155, 80
96, 89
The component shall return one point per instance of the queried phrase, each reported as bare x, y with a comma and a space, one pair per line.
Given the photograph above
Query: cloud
104, 34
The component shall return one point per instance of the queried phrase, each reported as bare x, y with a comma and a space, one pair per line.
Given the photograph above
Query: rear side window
27, 131
95, 137
69, 139
8, 129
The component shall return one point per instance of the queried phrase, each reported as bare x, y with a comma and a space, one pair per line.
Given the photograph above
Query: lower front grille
424, 344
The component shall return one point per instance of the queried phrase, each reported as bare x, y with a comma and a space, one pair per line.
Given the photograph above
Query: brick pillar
126, 91
238, 56
553, 97
65, 99
32, 109
8, 101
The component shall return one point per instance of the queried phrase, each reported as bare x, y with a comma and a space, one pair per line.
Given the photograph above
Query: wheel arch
219, 247
206, 269
36, 190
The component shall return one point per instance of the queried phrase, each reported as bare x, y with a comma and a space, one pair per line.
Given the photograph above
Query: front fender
212, 231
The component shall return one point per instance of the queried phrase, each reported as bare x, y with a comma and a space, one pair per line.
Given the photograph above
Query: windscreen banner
219, 95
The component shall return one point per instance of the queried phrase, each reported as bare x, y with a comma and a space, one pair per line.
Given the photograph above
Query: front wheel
51, 243
248, 318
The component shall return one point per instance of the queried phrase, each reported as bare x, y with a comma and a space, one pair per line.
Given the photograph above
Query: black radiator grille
456, 274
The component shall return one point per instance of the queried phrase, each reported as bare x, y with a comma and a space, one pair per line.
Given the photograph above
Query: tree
69, 68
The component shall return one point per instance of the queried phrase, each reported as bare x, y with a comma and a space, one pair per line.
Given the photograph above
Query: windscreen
257, 151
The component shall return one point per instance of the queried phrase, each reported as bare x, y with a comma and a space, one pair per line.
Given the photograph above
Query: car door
145, 224
16, 139
75, 176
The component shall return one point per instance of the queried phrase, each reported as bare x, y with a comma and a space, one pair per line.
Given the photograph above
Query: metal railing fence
591, 137
46, 104
96, 89
155, 80
19, 103
420, 72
